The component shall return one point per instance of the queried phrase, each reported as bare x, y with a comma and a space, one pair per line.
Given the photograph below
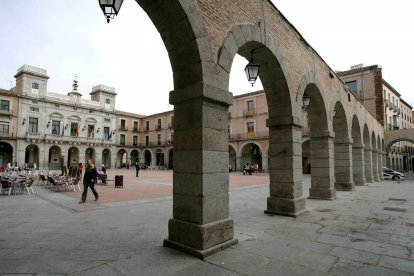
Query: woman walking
89, 180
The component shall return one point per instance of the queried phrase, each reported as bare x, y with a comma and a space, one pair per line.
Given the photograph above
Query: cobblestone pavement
369, 231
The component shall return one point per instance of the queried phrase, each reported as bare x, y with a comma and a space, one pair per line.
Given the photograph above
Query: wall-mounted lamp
24, 121
334, 112
97, 131
48, 124
306, 101
66, 126
113, 132
83, 129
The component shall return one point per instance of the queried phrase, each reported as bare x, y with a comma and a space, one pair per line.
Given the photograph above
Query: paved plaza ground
369, 231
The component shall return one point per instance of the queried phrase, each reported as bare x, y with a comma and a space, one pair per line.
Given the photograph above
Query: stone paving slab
50, 234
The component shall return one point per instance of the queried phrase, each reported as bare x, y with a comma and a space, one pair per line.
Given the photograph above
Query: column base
361, 182
285, 207
344, 186
370, 179
376, 179
322, 193
200, 240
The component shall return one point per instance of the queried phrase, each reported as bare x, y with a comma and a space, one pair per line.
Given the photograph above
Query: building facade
9, 110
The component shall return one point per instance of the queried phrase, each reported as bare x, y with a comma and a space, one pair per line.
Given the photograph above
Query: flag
77, 133
109, 135
63, 131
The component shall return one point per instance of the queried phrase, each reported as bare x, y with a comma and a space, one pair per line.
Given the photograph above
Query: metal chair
6, 185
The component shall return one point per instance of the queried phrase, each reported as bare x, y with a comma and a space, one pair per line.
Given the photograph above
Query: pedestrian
103, 169
137, 168
89, 180
80, 168
256, 168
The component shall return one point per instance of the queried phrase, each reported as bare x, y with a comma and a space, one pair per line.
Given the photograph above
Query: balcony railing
391, 106
249, 135
123, 128
4, 134
386, 103
158, 128
146, 129
135, 130
170, 125
249, 112
5, 112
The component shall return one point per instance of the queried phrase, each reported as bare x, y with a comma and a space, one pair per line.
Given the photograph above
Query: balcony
146, 129
249, 136
123, 128
158, 128
398, 110
4, 134
386, 103
170, 125
249, 112
391, 106
6, 112
136, 130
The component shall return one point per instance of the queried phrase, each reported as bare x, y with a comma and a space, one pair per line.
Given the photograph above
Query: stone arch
147, 157
134, 156
73, 158
342, 149
357, 152
6, 154
54, 159
367, 155
159, 158
31, 156
106, 158
121, 159
90, 154
251, 153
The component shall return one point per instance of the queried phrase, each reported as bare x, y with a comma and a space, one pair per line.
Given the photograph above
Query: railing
170, 125
158, 128
123, 128
386, 103
33, 135
146, 129
4, 134
135, 130
391, 106
249, 112
5, 112
249, 135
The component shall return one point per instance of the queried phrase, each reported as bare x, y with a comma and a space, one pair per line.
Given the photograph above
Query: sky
72, 37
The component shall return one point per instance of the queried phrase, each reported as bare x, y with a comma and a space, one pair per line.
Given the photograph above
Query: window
57, 105
34, 109
106, 133
4, 129
352, 86
147, 125
33, 125
35, 85
55, 127
73, 129
91, 131
107, 101
90, 111
123, 124
135, 126
135, 140
250, 127
34, 102
229, 129
172, 122
159, 124
250, 105
147, 140
122, 139
107, 120
159, 139
4, 105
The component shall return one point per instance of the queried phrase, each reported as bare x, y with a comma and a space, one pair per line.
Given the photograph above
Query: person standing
137, 168
80, 168
89, 180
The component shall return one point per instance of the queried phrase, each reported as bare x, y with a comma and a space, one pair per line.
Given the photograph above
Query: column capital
283, 121
201, 90
368, 148
358, 145
345, 140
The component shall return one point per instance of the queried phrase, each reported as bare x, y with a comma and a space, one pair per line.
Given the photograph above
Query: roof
404, 102
391, 88
249, 94
357, 70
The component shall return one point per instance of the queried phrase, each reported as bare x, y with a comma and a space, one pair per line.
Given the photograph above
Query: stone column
154, 159
285, 167
239, 166
375, 165
113, 158
343, 165
201, 224
98, 157
368, 164
322, 166
265, 165
380, 165
358, 164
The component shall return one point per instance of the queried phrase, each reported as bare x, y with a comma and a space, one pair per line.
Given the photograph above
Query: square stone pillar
358, 164
285, 167
375, 165
201, 224
368, 164
265, 165
380, 165
322, 166
343, 165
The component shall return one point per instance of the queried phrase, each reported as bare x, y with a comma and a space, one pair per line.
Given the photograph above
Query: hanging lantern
306, 101
110, 8
252, 71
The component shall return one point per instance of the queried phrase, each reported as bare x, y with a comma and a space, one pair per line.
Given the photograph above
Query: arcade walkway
369, 231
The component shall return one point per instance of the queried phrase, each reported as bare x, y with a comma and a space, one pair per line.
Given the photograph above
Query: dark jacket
90, 174
137, 166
